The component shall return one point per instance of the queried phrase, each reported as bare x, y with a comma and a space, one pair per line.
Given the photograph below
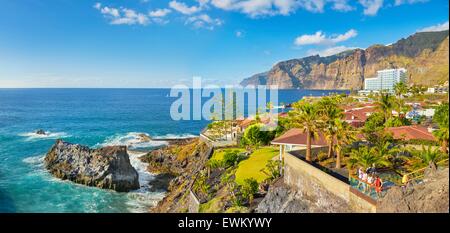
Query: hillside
425, 55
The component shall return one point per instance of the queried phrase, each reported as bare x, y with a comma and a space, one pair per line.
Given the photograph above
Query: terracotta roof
359, 114
411, 132
264, 119
298, 137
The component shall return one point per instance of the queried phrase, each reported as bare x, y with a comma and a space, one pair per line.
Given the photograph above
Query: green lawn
251, 167
218, 154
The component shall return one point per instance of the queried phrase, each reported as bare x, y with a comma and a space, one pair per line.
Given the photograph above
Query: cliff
107, 167
425, 56
182, 163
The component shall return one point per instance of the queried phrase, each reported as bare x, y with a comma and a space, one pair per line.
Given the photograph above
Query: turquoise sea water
93, 117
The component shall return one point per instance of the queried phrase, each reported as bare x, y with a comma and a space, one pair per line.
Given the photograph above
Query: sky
161, 43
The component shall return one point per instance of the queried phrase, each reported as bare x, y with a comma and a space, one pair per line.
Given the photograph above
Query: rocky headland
425, 56
107, 168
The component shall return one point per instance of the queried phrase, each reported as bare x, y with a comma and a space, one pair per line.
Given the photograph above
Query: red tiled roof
411, 132
359, 114
298, 137
264, 119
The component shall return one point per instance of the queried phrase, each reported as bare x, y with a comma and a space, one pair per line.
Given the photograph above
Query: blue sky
156, 43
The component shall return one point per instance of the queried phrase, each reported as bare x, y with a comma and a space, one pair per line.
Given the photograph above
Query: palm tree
366, 158
329, 112
344, 135
441, 117
385, 104
400, 89
428, 155
442, 135
305, 117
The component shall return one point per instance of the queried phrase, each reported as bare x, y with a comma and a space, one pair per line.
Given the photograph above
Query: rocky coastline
177, 166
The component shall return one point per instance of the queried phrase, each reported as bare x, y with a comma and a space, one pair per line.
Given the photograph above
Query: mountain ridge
423, 54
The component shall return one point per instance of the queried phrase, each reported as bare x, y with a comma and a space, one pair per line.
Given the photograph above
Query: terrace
293, 143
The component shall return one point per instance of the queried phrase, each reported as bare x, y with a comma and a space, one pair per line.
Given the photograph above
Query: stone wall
322, 187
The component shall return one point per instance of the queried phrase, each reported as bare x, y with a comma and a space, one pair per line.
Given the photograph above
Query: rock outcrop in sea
107, 167
40, 132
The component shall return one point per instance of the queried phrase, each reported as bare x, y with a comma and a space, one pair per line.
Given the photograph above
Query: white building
385, 80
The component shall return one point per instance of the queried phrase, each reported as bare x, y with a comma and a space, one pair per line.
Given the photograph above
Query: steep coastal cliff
425, 55
107, 167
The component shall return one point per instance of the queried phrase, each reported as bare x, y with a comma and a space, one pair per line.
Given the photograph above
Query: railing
355, 183
418, 174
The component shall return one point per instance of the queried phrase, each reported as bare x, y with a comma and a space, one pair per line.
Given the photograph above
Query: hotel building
385, 80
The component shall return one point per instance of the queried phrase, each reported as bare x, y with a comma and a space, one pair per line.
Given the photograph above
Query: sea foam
132, 140
34, 160
142, 199
48, 135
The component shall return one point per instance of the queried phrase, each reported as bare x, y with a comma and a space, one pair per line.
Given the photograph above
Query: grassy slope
251, 167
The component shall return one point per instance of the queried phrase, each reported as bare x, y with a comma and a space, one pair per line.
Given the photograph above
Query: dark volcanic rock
40, 132
107, 167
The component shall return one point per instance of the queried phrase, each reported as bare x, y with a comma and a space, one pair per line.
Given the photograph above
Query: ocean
93, 117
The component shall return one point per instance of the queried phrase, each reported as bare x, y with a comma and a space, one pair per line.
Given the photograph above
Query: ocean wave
48, 135
142, 199
34, 160
134, 140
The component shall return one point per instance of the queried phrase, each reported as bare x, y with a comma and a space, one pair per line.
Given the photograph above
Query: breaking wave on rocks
34, 160
142, 199
133, 140
48, 135
137, 201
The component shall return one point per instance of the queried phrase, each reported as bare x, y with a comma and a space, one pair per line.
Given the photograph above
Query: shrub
249, 189
397, 121
201, 183
254, 136
322, 156
230, 158
272, 169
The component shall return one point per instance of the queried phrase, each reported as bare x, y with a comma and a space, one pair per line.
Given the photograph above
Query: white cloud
183, 8
435, 28
125, 16
371, 7
342, 5
204, 21
97, 5
330, 51
118, 16
159, 12
401, 2
321, 39
255, 8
